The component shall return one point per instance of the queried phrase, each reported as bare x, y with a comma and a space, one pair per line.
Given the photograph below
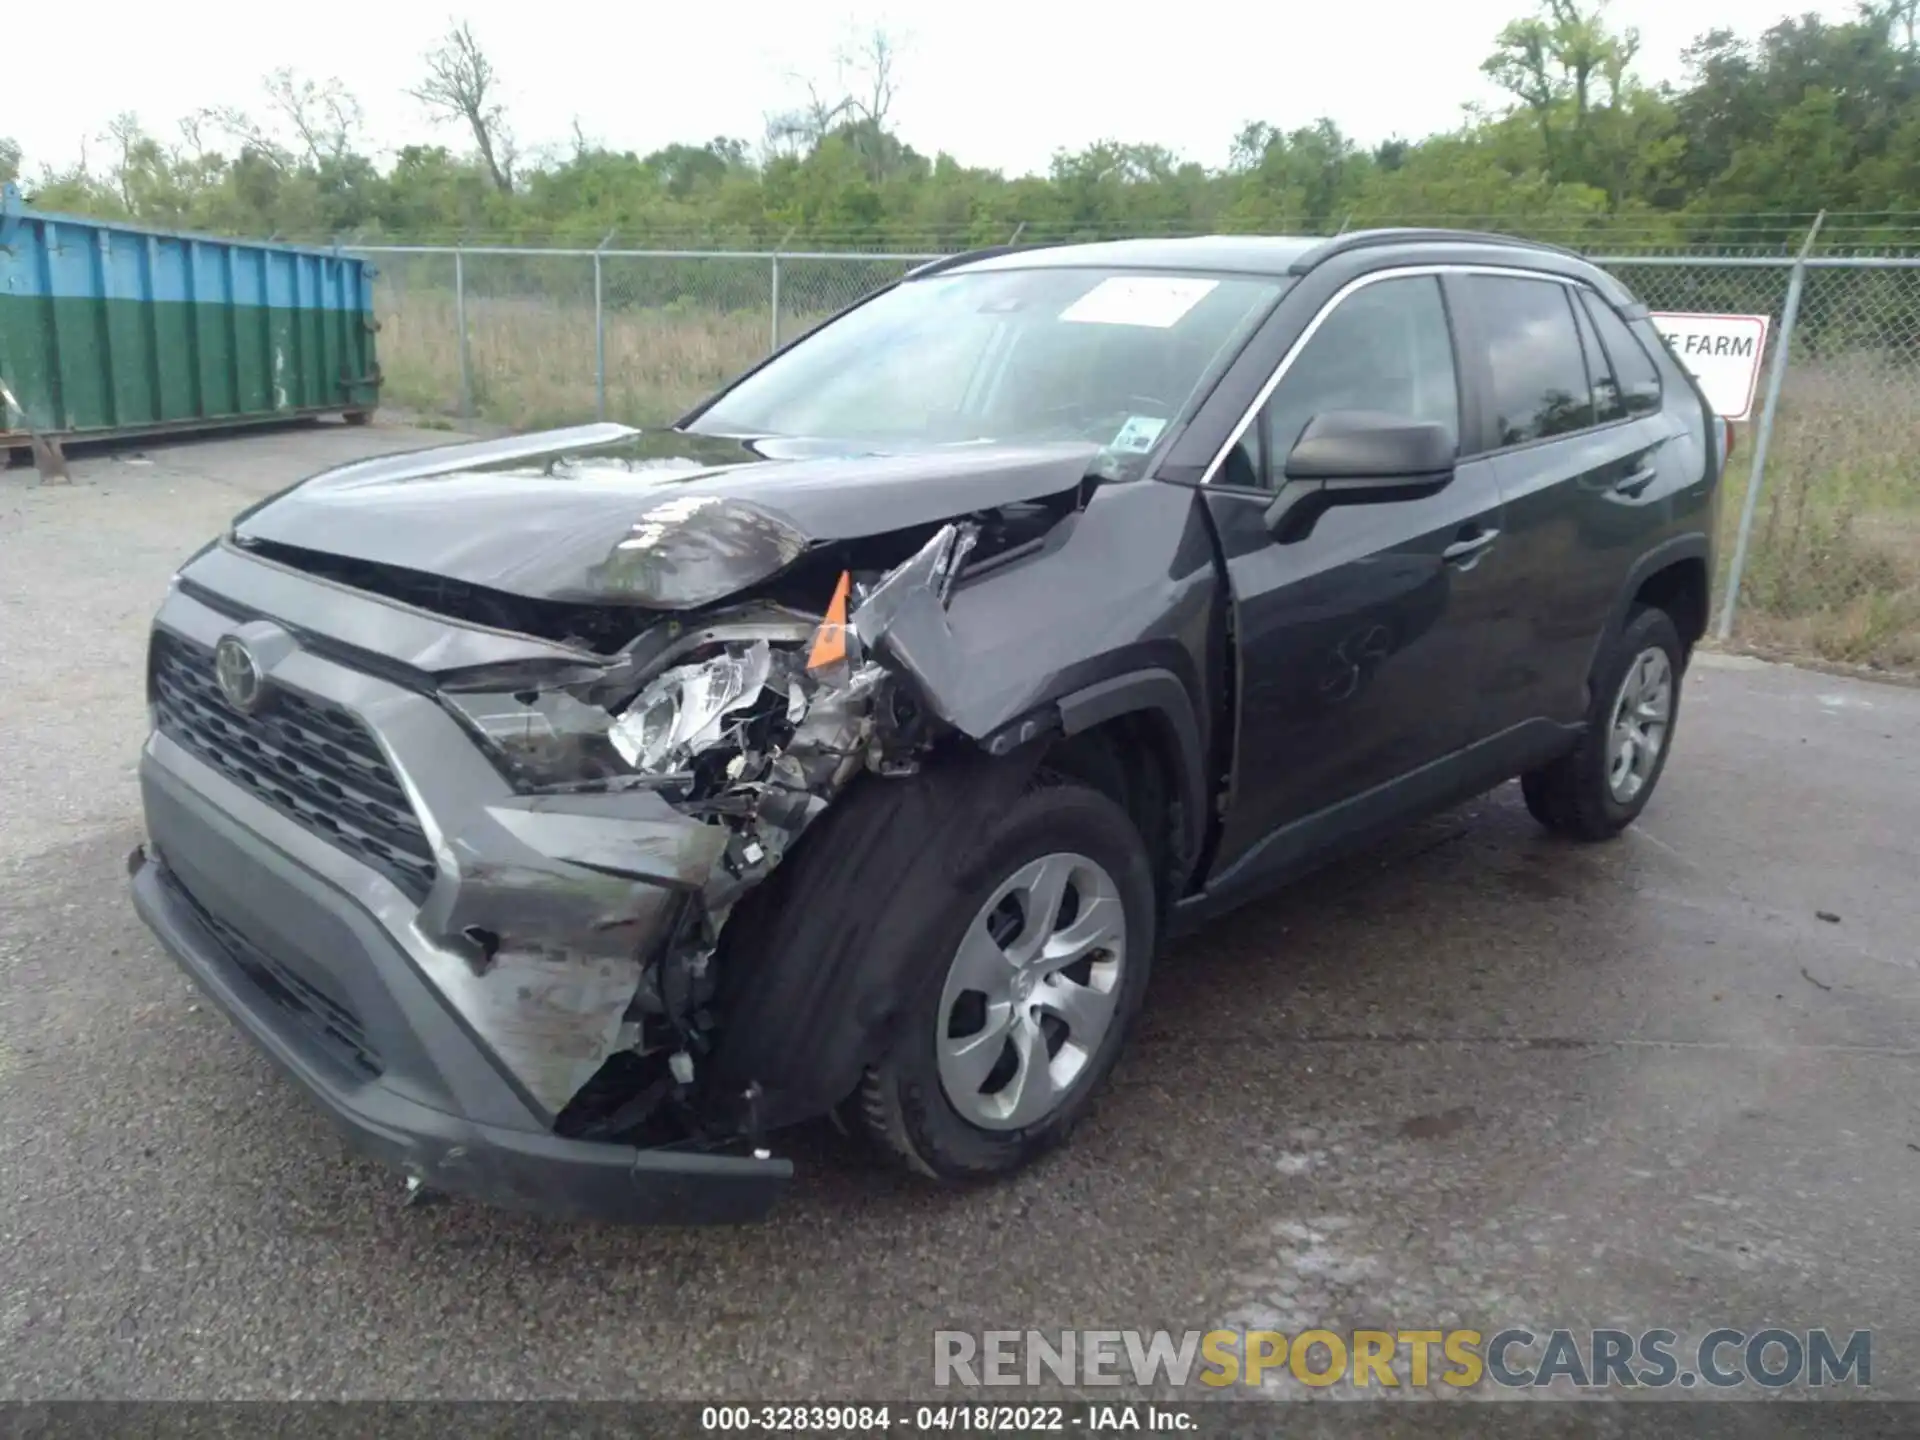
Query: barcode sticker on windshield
1156, 300
1139, 433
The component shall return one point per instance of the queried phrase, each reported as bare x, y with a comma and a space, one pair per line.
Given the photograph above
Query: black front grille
313, 763
328, 1020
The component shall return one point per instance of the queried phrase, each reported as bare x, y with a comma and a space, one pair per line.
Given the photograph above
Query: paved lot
1476, 1075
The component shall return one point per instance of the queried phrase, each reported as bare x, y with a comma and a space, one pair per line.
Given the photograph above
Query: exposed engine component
751, 723
771, 734
679, 715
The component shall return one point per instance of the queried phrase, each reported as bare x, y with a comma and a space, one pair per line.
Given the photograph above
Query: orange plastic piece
830, 640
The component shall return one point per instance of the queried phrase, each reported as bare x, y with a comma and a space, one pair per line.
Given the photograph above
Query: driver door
1360, 644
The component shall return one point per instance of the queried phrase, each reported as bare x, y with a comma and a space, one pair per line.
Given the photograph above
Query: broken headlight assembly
762, 713
682, 712
542, 739
548, 736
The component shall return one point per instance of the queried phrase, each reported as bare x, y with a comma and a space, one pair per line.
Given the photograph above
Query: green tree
1307, 180
1810, 115
1571, 75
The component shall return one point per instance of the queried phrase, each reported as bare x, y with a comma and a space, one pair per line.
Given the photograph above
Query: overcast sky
1000, 83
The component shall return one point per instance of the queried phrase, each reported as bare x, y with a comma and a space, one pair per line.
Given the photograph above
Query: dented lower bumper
446, 1023
317, 982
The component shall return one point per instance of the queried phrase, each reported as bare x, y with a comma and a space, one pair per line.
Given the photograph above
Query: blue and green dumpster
111, 330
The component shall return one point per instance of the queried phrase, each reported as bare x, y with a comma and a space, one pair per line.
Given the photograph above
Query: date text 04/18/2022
976, 1419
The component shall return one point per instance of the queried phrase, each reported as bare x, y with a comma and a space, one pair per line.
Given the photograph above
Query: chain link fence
1831, 565
528, 338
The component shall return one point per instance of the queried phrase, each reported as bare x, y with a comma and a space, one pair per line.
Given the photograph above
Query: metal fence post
776, 302
460, 324
600, 333
1763, 435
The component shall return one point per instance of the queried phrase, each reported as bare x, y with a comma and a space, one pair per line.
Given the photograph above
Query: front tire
1598, 789
1040, 954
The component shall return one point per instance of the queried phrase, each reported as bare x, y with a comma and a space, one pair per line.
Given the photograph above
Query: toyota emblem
238, 673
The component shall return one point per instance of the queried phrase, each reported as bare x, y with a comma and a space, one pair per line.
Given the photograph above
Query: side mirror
1357, 457
1358, 446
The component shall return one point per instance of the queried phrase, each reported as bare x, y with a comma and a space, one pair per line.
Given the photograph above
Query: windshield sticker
1156, 300
1138, 434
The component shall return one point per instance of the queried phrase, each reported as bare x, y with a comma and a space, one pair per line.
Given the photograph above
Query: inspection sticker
1722, 352
1139, 433
1156, 300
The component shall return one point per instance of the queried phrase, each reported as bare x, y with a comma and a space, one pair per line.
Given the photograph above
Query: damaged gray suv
569, 813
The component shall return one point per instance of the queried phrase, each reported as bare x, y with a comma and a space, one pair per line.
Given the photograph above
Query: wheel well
1680, 589
1130, 760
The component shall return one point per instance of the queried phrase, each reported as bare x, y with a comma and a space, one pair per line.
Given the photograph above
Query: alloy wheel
1642, 718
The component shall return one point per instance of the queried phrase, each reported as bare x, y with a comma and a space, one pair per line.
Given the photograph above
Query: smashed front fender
749, 742
904, 618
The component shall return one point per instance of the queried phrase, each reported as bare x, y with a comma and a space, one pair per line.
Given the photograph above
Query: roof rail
1367, 239
967, 257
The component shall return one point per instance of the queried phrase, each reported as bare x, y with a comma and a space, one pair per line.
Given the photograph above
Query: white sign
1723, 352
1156, 300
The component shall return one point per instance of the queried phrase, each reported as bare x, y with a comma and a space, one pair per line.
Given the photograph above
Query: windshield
1053, 354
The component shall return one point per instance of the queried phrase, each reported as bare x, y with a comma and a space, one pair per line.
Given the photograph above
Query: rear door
1359, 645
1578, 452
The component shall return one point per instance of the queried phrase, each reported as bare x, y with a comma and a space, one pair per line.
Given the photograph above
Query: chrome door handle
1467, 549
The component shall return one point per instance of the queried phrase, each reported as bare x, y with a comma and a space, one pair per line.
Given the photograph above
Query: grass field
533, 364
1833, 569
1833, 572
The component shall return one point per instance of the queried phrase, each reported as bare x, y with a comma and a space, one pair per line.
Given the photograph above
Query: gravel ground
1474, 1076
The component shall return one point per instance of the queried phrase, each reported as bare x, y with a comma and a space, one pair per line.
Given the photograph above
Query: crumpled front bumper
378, 1049
449, 1055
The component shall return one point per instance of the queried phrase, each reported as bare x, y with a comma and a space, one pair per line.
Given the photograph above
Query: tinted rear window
1538, 375
1633, 368
1607, 404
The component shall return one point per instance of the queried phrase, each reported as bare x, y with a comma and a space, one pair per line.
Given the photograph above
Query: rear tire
995, 1062
1602, 785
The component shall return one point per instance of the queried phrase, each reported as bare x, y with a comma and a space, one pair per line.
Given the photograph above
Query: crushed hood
602, 514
